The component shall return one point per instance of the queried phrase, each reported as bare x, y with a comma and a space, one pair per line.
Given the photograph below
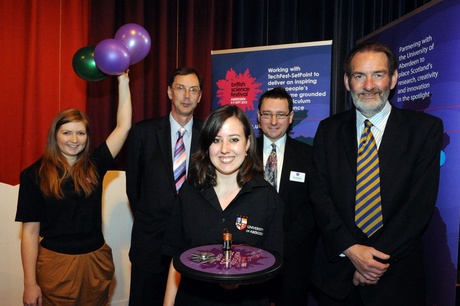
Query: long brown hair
55, 170
203, 172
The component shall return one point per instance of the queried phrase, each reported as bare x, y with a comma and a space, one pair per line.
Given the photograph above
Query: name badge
297, 177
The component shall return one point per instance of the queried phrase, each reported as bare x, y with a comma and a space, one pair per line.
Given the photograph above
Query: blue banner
427, 44
240, 76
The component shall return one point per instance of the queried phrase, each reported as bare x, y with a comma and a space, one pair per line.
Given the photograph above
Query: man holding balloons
151, 185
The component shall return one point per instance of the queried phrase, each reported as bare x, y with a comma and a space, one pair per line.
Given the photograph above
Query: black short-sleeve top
72, 225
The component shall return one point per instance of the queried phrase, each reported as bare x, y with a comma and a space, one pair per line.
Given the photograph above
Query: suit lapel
391, 137
164, 137
196, 130
349, 140
260, 148
289, 155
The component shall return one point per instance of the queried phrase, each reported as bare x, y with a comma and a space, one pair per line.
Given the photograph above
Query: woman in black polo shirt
225, 183
65, 258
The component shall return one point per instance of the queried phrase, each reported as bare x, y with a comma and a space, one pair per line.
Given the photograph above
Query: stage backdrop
427, 43
240, 76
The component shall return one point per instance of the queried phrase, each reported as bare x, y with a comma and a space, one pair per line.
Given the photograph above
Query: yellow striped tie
368, 207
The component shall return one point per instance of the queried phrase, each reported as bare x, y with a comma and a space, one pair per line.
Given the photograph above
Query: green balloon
85, 67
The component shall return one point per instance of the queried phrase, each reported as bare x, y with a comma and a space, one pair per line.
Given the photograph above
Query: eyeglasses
279, 116
193, 91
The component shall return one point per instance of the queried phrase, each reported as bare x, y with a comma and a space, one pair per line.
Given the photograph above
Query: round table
247, 265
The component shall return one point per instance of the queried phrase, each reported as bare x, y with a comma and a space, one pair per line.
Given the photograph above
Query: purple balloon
112, 57
136, 39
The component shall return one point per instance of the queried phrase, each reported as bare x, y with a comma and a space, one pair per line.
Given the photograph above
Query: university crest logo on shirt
241, 222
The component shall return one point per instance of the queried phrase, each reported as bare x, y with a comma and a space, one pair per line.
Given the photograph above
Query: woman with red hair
64, 255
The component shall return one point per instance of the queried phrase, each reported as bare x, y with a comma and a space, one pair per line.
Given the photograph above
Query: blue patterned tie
179, 163
271, 167
368, 207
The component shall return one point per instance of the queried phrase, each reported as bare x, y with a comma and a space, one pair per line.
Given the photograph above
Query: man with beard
371, 222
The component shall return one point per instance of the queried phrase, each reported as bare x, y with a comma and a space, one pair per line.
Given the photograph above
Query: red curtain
183, 33
38, 40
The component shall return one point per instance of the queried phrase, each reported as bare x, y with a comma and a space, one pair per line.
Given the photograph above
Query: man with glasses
159, 152
286, 163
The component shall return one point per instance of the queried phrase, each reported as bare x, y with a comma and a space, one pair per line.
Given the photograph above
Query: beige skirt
82, 279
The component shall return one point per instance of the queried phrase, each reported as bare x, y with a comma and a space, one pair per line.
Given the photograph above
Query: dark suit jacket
300, 233
151, 189
409, 175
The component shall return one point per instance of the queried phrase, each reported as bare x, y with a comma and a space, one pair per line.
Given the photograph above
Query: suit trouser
81, 279
147, 288
402, 285
292, 286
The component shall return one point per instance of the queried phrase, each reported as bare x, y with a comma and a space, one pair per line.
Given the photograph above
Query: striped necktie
368, 207
179, 163
271, 167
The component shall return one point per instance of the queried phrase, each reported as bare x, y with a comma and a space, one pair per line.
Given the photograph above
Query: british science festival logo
238, 89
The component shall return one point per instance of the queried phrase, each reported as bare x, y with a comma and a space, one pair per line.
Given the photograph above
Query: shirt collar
280, 143
176, 126
378, 120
